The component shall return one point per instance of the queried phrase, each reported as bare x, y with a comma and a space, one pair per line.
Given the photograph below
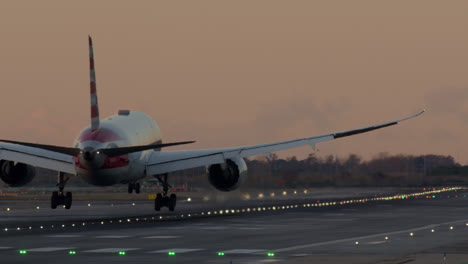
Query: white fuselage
128, 128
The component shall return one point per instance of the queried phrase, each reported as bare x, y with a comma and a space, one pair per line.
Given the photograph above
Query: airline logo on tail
92, 85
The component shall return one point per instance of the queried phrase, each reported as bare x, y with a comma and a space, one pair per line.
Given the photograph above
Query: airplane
126, 148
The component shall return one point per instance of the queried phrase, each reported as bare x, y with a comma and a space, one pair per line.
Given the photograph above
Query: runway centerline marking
160, 237
214, 228
242, 251
111, 236
48, 249
376, 242
109, 250
353, 239
5, 247
176, 250
334, 214
63, 236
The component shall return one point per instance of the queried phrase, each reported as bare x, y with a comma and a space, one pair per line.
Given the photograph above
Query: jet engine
16, 175
227, 176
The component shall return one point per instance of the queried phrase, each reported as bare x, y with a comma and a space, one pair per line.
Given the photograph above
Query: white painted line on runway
48, 249
251, 228
376, 242
111, 236
329, 219
351, 239
160, 237
337, 214
109, 250
242, 251
176, 250
63, 236
214, 228
5, 247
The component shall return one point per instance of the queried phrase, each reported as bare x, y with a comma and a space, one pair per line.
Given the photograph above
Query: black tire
54, 200
172, 202
68, 200
158, 202
130, 187
137, 187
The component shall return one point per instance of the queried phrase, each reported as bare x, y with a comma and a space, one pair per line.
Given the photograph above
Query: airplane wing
37, 157
164, 162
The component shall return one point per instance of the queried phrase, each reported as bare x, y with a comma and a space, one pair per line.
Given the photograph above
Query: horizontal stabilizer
58, 149
112, 152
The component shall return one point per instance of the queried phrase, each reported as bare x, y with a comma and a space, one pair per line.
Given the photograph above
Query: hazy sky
228, 73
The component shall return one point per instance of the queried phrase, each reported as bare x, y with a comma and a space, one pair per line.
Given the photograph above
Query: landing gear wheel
54, 200
137, 187
68, 200
172, 202
130, 187
158, 202
164, 200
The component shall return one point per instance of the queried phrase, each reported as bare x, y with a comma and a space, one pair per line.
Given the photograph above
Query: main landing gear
162, 200
134, 186
59, 198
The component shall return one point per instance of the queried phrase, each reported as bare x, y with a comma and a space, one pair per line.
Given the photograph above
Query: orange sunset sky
229, 73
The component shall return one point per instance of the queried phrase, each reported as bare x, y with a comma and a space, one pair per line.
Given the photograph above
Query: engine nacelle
16, 175
229, 175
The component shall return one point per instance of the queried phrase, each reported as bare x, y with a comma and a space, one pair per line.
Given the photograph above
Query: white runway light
189, 199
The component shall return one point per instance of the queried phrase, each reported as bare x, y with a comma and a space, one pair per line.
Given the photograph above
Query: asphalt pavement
416, 228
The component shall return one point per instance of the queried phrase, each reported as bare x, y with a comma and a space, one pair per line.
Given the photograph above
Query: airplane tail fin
93, 92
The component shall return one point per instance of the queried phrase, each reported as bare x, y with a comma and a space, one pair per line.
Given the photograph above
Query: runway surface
371, 230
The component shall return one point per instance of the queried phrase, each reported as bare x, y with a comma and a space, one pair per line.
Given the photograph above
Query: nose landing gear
61, 198
162, 200
134, 186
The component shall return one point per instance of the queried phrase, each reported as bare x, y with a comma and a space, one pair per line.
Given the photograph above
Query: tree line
381, 170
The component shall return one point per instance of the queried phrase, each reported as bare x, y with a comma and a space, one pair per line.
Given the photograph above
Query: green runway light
71, 252
122, 253
271, 254
171, 253
22, 252
433, 196
220, 253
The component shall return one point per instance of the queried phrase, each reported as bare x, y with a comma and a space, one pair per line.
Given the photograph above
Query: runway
370, 230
